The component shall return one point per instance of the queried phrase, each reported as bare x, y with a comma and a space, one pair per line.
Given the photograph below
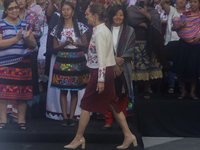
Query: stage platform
166, 116
47, 134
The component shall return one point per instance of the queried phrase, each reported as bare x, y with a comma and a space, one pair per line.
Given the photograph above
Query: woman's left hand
196, 40
143, 10
27, 33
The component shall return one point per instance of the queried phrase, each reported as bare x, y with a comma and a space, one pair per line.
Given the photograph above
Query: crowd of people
92, 54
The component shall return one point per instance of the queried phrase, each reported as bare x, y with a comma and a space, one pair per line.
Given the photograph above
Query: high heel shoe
134, 141
81, 142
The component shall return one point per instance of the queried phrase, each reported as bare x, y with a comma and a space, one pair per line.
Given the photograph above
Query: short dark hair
113, 10
6, 5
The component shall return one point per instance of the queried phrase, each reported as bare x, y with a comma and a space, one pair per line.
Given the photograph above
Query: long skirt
142, 68
100, 103
70, 71
187, 60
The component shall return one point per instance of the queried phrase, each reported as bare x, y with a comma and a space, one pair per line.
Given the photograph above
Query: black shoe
106, 128
71, 123
64, 123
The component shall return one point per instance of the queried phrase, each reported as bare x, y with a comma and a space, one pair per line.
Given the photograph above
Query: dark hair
98, 9
6, 5
113, 10
61, 22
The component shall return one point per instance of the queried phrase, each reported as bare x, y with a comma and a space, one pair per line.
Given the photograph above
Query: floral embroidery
101, 74
70, 80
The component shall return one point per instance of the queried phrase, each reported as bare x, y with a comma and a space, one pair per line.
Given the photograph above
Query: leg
63, 103
108, 121
74, 99
83, 122
171, 80
193, 87
3, 111
146, 91
21, 108
128, 136
123, 105
183, 91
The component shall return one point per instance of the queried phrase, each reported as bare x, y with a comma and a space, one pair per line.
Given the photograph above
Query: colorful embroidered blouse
100, 51
14, 53
32, 18
70, 33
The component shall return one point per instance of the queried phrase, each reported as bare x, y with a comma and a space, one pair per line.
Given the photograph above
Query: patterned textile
70, 71
38, 10
100, 53
125, 47
70, 33
32, 18
14, 53
142, 69
192, 30
15, 81
163, 14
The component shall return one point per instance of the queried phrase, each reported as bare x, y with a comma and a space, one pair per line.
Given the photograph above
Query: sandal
3, 126
181, 96
194, 97
146, 95
22, 126
171, 90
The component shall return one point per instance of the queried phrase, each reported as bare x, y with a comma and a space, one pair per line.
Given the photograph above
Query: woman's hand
196, 40
143, 25
72, 41
19, 35
100, 87
117, 71
27, 33
180, 26
119, 61
68, 41
143, 10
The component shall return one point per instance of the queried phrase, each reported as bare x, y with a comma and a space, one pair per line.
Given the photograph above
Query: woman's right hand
68, 41
117, 71
119, 61
143, 25
19, 35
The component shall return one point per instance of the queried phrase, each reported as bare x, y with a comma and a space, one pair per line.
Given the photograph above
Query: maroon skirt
99, 103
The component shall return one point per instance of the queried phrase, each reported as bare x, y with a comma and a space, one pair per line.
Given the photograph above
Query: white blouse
115, 33
100, 51
171, 35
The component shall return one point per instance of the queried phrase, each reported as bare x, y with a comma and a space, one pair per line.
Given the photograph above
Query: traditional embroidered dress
32, 18
144, 68
15, 66
70, 71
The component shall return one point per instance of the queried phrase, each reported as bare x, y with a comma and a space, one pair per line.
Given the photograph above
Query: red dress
99, 103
